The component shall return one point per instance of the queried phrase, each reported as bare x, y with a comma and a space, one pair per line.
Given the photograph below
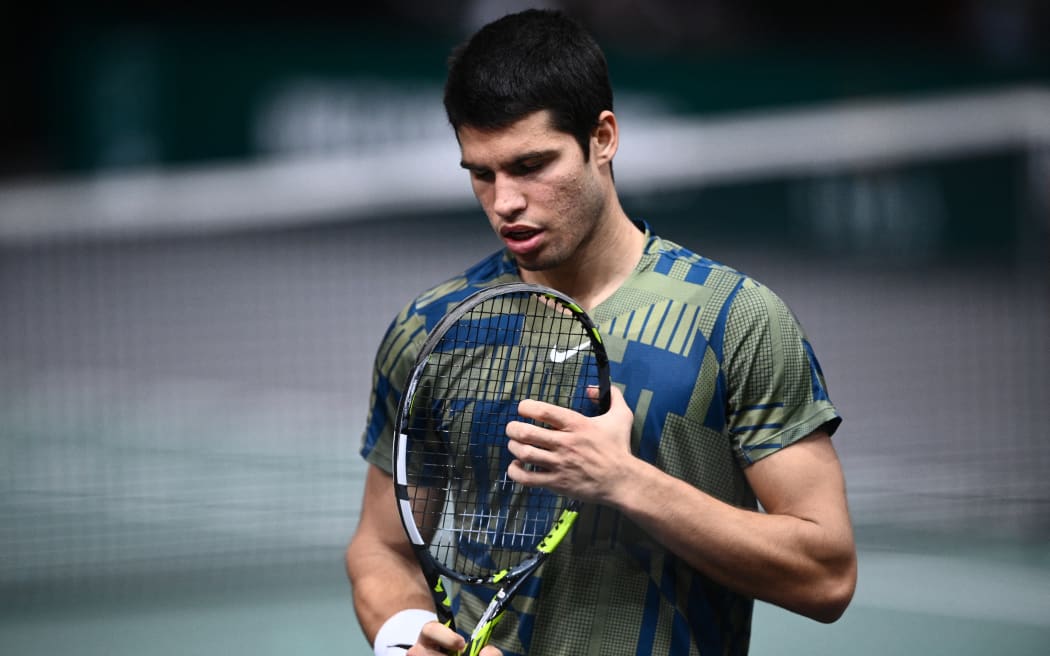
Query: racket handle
481, 637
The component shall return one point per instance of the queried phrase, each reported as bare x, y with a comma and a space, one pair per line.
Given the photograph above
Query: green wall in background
155, 97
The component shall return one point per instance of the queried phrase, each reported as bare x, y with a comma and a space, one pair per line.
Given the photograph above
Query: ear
605, 139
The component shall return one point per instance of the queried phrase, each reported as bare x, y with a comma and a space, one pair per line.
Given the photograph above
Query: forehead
532, 133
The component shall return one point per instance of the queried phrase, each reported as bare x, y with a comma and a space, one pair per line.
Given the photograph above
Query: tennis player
719, 406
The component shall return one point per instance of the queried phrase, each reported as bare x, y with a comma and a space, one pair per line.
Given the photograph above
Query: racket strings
475, 519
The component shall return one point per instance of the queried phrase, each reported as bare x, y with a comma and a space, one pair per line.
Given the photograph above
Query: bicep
380, 523
804, 480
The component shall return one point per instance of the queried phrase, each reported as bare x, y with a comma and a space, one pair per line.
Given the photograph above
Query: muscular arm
799, 554
385, 576
383, 572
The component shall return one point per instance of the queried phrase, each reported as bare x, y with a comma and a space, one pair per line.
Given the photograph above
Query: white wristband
402, 628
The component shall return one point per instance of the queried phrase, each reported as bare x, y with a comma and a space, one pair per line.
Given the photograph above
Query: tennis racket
466, 519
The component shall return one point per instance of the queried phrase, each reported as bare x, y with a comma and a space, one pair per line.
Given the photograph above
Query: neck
600, 266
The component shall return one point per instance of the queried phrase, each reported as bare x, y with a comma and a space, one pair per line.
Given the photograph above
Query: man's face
543, 200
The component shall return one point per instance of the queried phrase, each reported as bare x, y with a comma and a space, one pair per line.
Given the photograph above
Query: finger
617, 403
436, 638
615, 393
518, 473
546, 413
531, 455
531, 434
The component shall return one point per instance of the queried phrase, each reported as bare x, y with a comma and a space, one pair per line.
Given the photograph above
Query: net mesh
194, 405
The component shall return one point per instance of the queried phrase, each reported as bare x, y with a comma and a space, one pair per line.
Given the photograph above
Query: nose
508, 199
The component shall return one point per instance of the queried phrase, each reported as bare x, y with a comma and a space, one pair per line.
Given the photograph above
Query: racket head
465, 518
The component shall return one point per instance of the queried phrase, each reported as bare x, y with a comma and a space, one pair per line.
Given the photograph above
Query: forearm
804, 564
383, 583
384, 574
798, 555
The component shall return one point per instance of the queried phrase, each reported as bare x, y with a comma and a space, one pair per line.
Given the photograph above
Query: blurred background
209, 215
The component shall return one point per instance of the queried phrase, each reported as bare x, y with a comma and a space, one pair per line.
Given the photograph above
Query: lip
521, 239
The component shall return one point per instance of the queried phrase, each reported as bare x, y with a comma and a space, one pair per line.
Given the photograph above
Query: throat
594, 273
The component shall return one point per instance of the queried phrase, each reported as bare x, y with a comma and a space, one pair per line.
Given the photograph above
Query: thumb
618, 404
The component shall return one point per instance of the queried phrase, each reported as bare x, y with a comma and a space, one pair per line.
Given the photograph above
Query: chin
538, 265
544, 262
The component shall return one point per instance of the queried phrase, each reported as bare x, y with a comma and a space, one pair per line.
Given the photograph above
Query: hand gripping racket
466, 519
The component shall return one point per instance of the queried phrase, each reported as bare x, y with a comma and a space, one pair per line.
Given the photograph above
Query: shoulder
434, 302
754, 302
682, 275
734, 286
731, 303
408, 330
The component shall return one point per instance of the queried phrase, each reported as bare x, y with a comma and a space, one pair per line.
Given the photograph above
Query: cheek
568, 196
581, 200
481, 192
483, 195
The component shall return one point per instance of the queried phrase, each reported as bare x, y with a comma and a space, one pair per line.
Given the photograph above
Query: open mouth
519, 234
522, 240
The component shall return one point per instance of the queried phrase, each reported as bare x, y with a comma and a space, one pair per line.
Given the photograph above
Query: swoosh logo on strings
562, 356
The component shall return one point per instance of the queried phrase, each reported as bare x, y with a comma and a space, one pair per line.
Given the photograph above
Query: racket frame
509, 579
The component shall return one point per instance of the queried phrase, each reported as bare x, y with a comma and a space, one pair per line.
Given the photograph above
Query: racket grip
481, 637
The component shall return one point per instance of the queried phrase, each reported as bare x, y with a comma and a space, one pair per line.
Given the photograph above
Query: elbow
831, 608
359, 557
833, 596
824, 593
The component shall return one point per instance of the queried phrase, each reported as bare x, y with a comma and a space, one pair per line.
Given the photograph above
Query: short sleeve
393, 364
776, 389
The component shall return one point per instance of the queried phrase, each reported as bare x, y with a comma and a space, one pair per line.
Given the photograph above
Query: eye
482, 175
527, 166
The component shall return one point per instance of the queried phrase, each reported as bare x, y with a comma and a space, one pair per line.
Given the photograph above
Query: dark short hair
527, 62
